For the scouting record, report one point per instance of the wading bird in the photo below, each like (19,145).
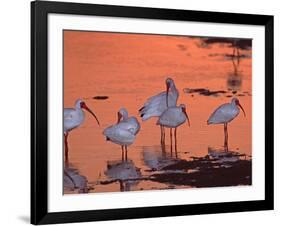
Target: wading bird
(225,114)
(156,105)
(124,132)
(127,122)
(173,117)
(73,118)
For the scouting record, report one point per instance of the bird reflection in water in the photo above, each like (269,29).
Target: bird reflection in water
(124,172)
(72,180)
(155,158)
(169,147)
(234,79)
(220,156)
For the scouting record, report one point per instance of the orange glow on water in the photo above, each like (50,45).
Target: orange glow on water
(129,68)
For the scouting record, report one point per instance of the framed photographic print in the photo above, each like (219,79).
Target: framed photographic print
(144,112)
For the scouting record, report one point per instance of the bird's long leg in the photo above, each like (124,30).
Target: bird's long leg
(163,135)
(176,148)
(121,185)
(66,147)
(226,136)
(171,139)
(122,152)
(163,146)
(161,128)
(126,153)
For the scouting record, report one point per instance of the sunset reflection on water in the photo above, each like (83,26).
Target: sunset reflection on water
(129,68)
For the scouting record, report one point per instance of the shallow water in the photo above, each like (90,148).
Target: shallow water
(130,68)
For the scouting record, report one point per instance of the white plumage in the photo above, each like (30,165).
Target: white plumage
(225,113)
(156,105)
(73,118)
(173,117)
(128,123)
(119,136)
(124,132)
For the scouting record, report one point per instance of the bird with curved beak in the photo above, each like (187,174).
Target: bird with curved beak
(156,105)
(173,117)
(167,93)
(73,118)
(225,114)
(84,106)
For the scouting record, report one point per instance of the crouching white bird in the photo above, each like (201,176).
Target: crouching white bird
(173,117)
(225,114)
(127,122)
(124,132)
(73,118)
(156,105)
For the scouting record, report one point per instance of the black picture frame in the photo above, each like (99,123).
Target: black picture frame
(39,112)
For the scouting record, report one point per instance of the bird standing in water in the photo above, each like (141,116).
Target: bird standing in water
(124,132)
(225,114)
(73,118)
(156,105)
(173,117)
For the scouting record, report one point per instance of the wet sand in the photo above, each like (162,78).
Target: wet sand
(110,71)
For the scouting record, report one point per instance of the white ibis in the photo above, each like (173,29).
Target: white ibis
(173,117)
(225,114)
(127,122)
(73,118)
(124,132)
(156,105)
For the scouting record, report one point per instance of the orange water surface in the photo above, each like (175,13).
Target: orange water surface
(129,68)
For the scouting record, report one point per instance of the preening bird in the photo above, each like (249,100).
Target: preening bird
(124,132)
(126,122)
(225,114)
(73,118)
(156,105)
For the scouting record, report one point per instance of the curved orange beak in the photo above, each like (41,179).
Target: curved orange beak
(184,111)
(167,93)
(241,108)
(83,105)
(119,116)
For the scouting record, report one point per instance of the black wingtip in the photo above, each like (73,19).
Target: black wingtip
(141,109)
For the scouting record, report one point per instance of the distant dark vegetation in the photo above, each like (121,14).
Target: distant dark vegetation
(244,44)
